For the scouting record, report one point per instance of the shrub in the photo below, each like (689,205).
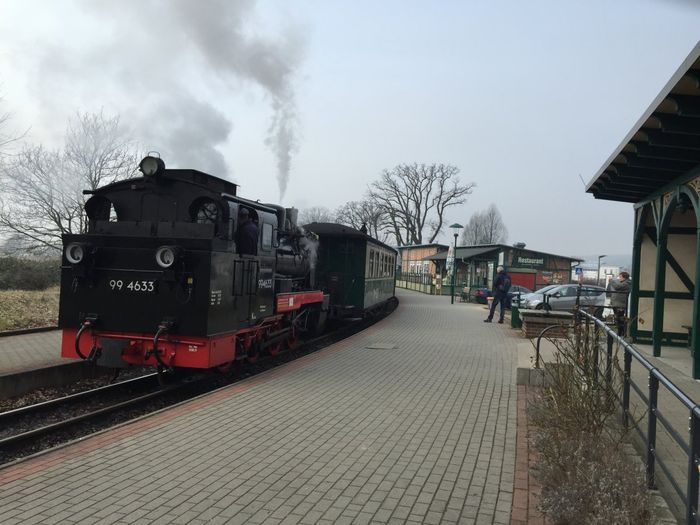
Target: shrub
(586,476)
(29,274)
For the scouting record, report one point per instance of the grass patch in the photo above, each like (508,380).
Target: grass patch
(21,309)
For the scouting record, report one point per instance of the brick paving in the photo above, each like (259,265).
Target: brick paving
(20,353)
(527,490)
(413,420)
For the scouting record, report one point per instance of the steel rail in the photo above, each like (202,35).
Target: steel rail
(25,331)
(52,403)
(47,429)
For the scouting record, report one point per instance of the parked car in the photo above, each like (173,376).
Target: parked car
(523,299)
(563,297)
(515,295)
(481,295)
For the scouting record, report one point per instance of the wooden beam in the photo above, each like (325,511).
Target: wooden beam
(688,105)
(659,138)
(644,150)
(680,125)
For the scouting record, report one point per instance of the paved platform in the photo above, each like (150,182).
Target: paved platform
(413,420)
(22,353)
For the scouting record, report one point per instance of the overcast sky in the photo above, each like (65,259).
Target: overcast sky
(526,98)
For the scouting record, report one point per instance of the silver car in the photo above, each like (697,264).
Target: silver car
(563,297)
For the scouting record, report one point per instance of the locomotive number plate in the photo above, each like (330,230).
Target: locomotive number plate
(124,285)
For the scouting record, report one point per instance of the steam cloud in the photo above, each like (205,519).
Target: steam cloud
(167,56)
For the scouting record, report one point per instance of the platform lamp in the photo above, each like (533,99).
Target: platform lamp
(455,230)
(597,277)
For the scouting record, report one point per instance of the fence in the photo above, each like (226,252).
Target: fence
(421,282)
(670,459)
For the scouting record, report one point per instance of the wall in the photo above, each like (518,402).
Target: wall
(414,254)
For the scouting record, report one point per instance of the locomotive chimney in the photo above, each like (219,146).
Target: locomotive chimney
(292,214)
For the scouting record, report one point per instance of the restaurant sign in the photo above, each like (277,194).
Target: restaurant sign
(530,262)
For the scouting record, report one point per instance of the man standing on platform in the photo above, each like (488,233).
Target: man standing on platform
(500,294)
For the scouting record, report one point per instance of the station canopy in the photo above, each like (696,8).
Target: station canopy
(662,146)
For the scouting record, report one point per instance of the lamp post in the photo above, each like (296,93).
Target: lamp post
(597,277)
(455,229)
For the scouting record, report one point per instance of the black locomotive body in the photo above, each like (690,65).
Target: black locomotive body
(157,279)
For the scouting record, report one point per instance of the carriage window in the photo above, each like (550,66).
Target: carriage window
(267,236)
(370,273)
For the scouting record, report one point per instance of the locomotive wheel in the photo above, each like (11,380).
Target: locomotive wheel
(225,368)
(293,341)
(275,349)
(253,353)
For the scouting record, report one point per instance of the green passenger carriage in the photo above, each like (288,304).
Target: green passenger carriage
(357,270)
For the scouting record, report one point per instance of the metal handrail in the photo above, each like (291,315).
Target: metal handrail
(656,379)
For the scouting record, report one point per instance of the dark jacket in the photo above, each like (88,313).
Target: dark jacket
(247,238)
(501,285)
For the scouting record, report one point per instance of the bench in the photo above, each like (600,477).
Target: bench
(690,333)
(534,321)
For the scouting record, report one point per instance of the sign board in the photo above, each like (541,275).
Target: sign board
(578,270)
(450,259)
(530,262)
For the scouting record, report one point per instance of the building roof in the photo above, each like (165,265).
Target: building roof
(467,252)
(662,146)
(407,246)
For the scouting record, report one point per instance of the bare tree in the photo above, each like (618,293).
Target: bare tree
(413,197)
(364,213)
(41,191)
(315,214)
(7,137)
(485,227)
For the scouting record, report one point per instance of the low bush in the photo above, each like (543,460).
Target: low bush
(586,476)
(29,274)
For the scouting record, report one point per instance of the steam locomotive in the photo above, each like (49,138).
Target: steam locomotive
(158,278)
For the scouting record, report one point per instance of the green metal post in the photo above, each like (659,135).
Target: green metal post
(454,272)
(634,299)
(659,293)
(695,341)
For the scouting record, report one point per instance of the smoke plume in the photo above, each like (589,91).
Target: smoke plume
(171,60)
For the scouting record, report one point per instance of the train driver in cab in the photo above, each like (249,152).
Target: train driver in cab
(246,234)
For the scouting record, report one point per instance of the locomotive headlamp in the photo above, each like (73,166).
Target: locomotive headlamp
(75,253)
(166,256)
(152,166)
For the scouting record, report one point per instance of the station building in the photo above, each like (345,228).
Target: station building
(476,266)
(428,267)
(656,167)
(413,258)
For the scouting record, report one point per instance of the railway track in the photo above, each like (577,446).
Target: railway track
(33,428)
(23,331)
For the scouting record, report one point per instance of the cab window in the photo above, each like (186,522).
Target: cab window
(267,236)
